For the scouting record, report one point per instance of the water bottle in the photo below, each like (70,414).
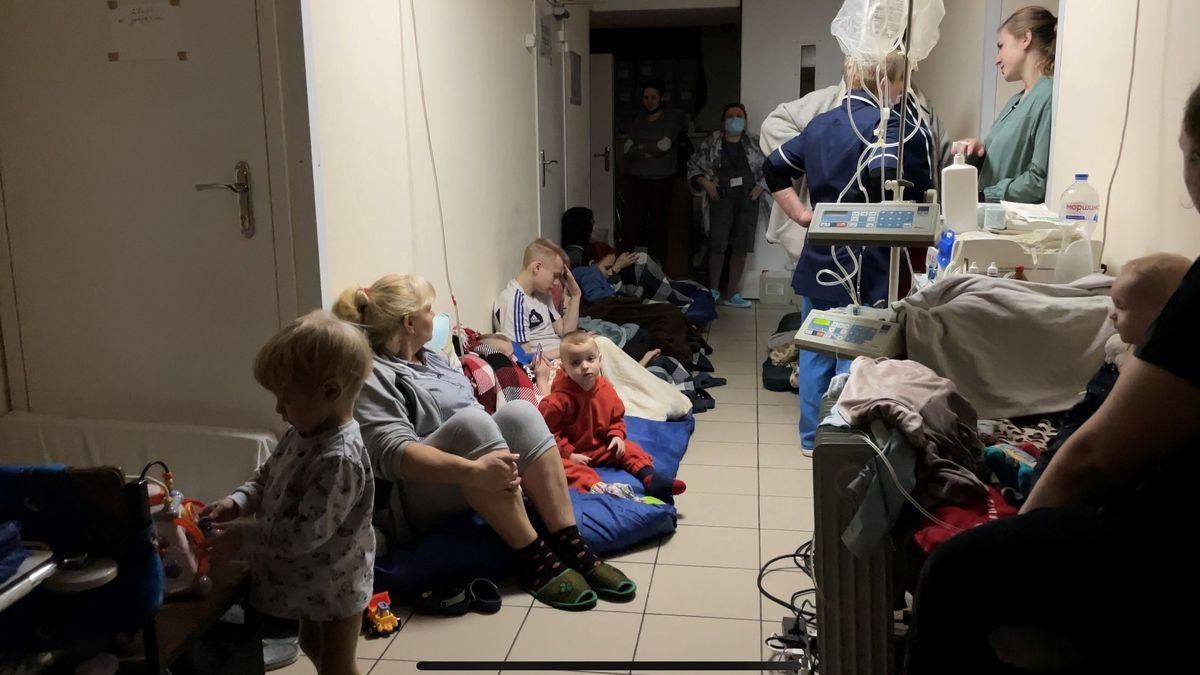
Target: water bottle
(993,271)
(960,194)
(1080,206)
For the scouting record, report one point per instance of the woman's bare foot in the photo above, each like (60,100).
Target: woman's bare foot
(649,357)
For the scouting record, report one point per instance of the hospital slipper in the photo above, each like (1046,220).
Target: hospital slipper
(448,602)
(485,596)
(569,591)
(611,583)
(736,300)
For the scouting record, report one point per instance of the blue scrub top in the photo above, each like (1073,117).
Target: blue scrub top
(828,153)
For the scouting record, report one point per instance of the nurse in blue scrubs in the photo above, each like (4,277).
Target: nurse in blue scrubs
(833,157)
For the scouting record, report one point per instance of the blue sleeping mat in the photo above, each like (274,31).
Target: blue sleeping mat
(468,548)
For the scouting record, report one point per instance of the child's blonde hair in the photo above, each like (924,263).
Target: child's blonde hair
(381,308)
(542,250)
(315,349)
(577,338)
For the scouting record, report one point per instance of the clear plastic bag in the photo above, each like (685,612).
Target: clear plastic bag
(868,30)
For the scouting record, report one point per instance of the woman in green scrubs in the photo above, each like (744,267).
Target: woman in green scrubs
(1014,156)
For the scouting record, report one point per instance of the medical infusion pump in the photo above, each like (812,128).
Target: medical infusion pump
(881,224)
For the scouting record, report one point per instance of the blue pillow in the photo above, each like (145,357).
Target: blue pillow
(466,547)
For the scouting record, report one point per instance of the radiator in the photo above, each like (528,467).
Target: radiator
(855,595)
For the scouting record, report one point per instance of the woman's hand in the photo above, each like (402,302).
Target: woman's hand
(710,187)
(624,260)
(495,472)
(969,146)
(577,458)
(756,193)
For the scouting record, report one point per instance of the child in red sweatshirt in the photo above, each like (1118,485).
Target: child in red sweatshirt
(588,421)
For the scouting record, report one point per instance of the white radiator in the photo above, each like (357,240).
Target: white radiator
(207,462)
(854,601)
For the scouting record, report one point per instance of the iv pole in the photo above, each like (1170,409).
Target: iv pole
(898,184)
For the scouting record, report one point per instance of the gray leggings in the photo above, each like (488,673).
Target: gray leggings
(417,508)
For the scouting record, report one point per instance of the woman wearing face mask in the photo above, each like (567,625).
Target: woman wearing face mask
(1016,153)
(727,171)
(655,207)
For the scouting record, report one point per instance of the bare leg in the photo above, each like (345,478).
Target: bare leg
(649,356)
(546,485)
(505,512)
(310,641)
(716,261)
(339,641)
(737,267)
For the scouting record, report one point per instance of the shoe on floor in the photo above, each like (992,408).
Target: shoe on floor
(736,300)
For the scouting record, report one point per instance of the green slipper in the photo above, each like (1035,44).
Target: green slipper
(569,590)
(611,582)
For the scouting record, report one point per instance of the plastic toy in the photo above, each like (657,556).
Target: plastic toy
(378,620)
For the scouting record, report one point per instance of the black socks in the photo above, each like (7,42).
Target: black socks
(659,486)
(538,564)
(569,546)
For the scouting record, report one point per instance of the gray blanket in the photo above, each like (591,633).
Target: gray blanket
(1012,348)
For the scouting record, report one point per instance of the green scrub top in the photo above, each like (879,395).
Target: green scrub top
(1018,148)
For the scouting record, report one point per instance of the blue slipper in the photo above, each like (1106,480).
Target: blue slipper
(737,301)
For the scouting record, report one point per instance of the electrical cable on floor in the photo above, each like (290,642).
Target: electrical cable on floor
(799,647)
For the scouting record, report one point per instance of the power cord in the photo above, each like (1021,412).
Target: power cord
(799,642)
(437,185)
(1137,16)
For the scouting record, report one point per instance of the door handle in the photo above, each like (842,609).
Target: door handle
(241,187)
(607,155)
(546,163)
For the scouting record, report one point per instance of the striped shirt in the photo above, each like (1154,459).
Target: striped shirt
(525,318)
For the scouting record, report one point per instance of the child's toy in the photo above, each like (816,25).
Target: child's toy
(378,620)
(181,541)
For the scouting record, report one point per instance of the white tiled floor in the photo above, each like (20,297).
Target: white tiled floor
(749,499)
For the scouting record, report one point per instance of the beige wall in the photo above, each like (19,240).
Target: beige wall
(376,195)
(772,34)
(1149,210)
(950,75)
(578,132)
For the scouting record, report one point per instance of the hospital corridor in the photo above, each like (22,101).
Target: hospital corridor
(376,337)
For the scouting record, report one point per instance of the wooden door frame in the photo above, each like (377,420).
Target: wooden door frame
(289,180)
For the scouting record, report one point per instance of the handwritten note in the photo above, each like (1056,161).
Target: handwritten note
(146,31)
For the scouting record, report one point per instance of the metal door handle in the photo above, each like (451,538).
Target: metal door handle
(240,187)
(607,155)
(546,163)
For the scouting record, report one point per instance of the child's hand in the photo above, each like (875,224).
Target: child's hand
(224,539)
(543,368)
(580,459)
(571,286)
(617,445)
(221,511)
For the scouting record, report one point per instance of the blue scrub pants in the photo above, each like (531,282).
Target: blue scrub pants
(815,371)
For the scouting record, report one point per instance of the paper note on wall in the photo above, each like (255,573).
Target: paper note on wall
(146,31)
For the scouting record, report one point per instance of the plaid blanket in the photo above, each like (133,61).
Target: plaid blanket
(671,370)
(645,280)
(512,380)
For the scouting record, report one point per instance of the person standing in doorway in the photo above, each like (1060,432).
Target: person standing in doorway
(655,203)
(727,171)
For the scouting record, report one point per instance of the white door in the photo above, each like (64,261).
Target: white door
(551,185)
(603,161)
(137,297)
